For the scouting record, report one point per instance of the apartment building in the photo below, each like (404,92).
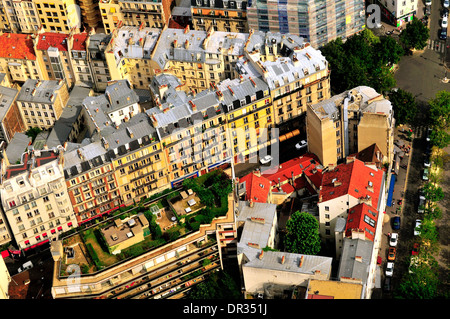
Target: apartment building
(318,22)
(193,135)
(348,123)
(52,54)
(398,12)
(91,182)
(35,199)
(347,188)
(90,12)
(295,72)
(4,22)
(62,16)
(247,105)
(5,279)
(223,15)
(10,117)
(96,46)
(198,58)
(22,15)
(41,103)
(131,141)
(18,57)
(167,271)
(128,55)
(118,104)
(79,59)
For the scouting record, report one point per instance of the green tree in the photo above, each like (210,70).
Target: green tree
(439,110)
(388,51)
(302,234)
(421,284)
(432,192)
(33,132)
(415,35)
(218,285)
(428,232)
(381,79)
(440,138)
(404,105)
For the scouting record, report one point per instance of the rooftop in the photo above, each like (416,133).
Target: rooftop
(355,259)
(257,187)
(7,97)
(327,289)
(36,91)
(362,218)
(79,41)
(52,39)
(134,43)
(355,179)
(17,46)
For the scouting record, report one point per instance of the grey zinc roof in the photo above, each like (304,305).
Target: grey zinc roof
(127,42)
(17,147)
(348,265)
(232,43)
(63,126)
(94,154)
(120,95)
(241,90)
(311,264)
(7,96)
(43,92)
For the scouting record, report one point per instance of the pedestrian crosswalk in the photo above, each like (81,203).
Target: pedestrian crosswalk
(436,45)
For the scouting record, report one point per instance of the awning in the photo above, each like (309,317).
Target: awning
(5,253)
(391,190)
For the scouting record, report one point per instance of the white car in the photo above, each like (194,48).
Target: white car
(266,159)
(417,227)
(426,162)
(393,240)
(301,144)
(446,3)
(389,269)
(444,23)
(25,266)
(428,2)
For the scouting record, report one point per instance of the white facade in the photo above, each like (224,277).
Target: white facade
(5,279)
(36,203)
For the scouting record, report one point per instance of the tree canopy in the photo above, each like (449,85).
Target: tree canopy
(415,35)
(439,113)
(404,105)
(364,59)
(302,234)
(218,285)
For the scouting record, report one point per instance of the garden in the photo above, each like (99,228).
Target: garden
(165,224)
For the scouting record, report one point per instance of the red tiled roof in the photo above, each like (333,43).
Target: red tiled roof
(257,187)
(79,41)
(353,179)
(296,166)
(356,220)
(17,46)
(50,39)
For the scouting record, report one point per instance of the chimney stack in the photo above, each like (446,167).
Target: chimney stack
(283,259)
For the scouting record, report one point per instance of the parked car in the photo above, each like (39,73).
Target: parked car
(396,223)
(444,23)
(426,162)
(389,269)
(427,10)
(266,159)
(415,250)
(25,266)
(391,253)
(393,240)
(425,174)
(301,144)
(446,3)
(428,2)
(387,284)
(443,34)
(422,202)
(417,227)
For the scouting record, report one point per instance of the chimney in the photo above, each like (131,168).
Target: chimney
(300,264)
(337,183)
(261,255)
(105,143)
(186,44)
(358,258)
(154,120)
(283,259)
(80,155)
(193,106)
(250,203)
(130,132)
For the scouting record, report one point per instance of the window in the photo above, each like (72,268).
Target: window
(327,209)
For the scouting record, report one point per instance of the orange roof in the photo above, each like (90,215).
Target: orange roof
(79,41)
(257,187)
(17,46)
(51,39)
(362,218)
(353,179)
